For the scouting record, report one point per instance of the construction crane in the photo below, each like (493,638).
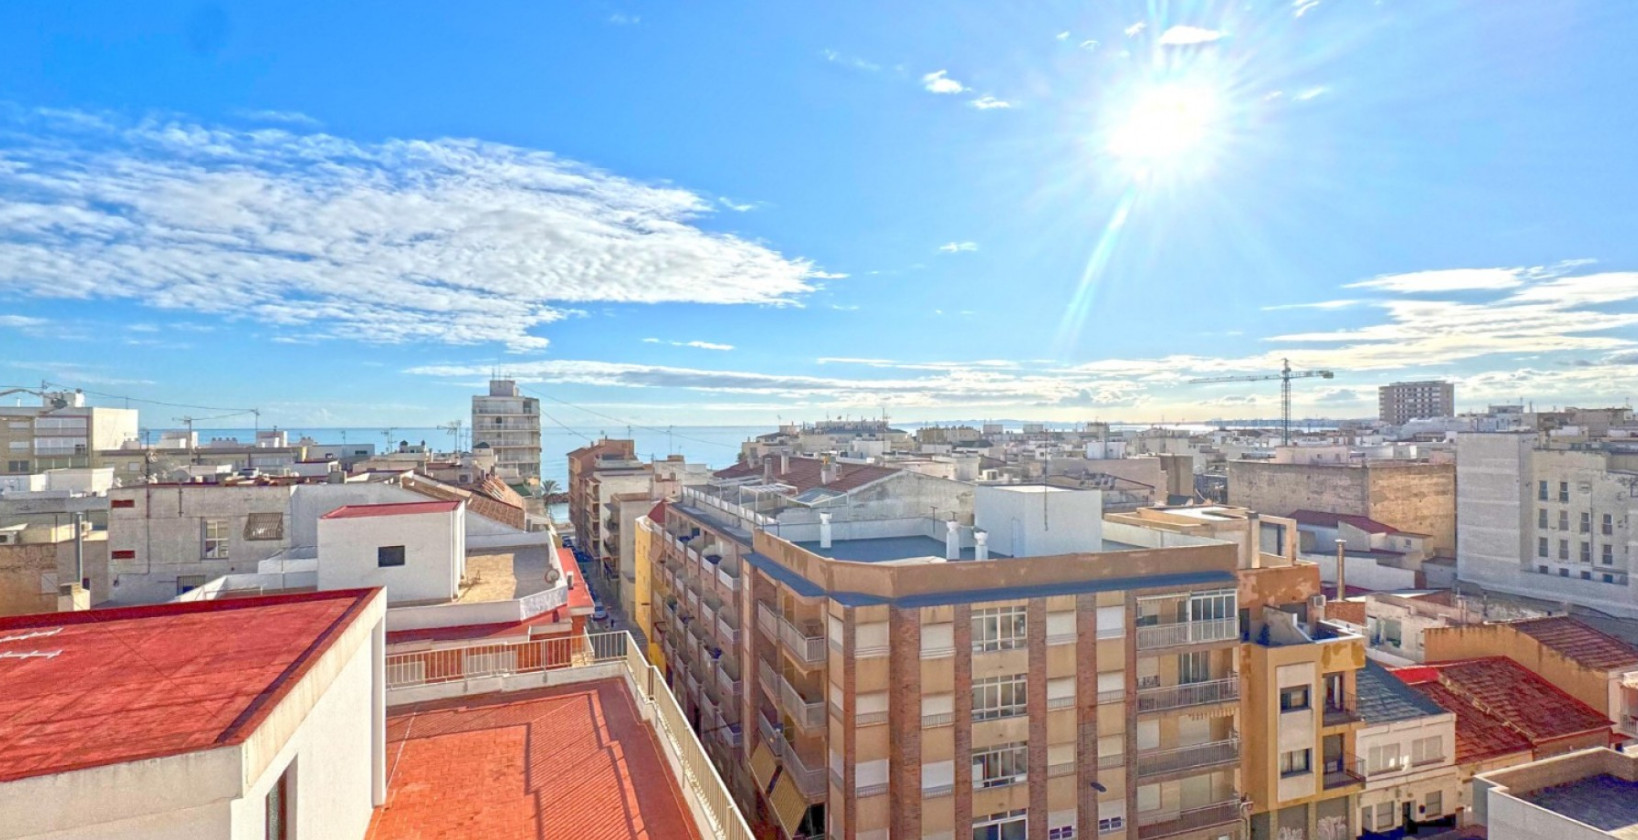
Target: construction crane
(1285,376)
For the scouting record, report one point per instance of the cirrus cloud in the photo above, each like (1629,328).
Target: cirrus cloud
(444,241)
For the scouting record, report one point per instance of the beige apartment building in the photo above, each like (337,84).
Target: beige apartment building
(507,423)
(1402,402)
(62,432)
(1007,670)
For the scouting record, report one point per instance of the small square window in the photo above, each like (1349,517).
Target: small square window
(1586,575)
(389,555)
(1295,762)
(1563,572)
(1294,699)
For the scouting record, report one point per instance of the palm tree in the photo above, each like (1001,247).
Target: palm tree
(548,487)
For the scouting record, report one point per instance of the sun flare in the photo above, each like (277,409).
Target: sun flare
(1167,124)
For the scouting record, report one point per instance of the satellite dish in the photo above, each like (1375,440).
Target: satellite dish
(552,576)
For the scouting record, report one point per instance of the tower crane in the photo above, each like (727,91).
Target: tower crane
(1285,376)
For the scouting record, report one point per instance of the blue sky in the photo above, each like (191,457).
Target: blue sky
(727,212)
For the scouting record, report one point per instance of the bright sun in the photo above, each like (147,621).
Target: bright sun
(1167,125)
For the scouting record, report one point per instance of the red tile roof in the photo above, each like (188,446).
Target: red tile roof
(579,595)
(146,682)
(394,509)
(1504,690)
(1580,643)
(1320,519)
(656,514)
(1479,736)
(571,761)
(805,473)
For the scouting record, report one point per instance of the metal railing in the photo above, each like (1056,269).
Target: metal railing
(711,799)
(768,678)
(934,721)
(1156,824)
(809,780)
(805,646)
(1193,756)
(1342,771)
(1339,710)
(1188,633)
(1189,694)
(1065,768)
(1061,702)
(810,715)
(767,622)
(1113,695)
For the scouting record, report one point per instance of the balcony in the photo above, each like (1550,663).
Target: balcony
(769,680)
(728,579)
(810,715)
(767,622)
(1180,633)
(1156,824)
(1342,771)
(729,682)
(726,631)
(1223,690)
(809,780)
(806,644)
(1340,710)
(1163,762)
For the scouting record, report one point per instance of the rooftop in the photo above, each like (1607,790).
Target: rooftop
(1383,698)
(102,687)
(1500,705)
(915,547)
(570,761)
(805,474)
(1479,735)
(394,509)
(1580,643)
(1320,519)
(1602,801)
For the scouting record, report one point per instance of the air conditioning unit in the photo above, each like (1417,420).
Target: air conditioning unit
(10,538)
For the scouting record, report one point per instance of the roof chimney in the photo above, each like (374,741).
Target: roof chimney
(981,545)
(784,463)
(1342,572)
(824,530)
(952,540)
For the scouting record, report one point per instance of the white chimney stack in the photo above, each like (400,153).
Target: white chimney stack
(952,540)
(981,545)
(824,530)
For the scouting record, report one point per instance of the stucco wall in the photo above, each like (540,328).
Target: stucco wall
(22,568)
(164,527)
(434,551)
(1474,640)
(1415,497)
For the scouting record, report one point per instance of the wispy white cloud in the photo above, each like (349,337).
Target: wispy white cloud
(623,19)
(290,118)
(445,241)
(1311,93)
(1089,45)
(1324,304)
(1178,36)
(939,81)
(986,103)
(826,275)
(1303,7)
(853,61)
(19,321)
(1447,280)
(1063,36)
(1135,29)
(697,345)
(958,247)
(738,206)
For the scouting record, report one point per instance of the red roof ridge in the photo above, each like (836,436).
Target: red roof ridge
(390,509)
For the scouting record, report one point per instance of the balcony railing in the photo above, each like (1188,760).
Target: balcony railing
(1163,761)
(1113,695)
(805,645)
(1340,710)
(809,780)
(767,622)
(412,677)
(1156,824)
(728,633)
(1188,633)
(1189,694)
(730,685)
(1342,771)
(810,715)
(729,581)
(768,678)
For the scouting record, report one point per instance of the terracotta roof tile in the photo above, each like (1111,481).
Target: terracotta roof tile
(1478,735)
(1580,643)
(805,473)
(1512,694)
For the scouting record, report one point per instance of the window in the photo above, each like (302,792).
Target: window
(1212,606)
(1426,750)
(188,583)
(1012,825)
(1585,575)
(1541,519)
(1384,816)
(1563,549)
(1294,698)
(1609,578)
(1391,632)
(122,503)
(1007,764)
(1384,758)
(1586,522)
(277,809)
(1295,762)
(1542,569)
(1564,520)
(1194,667)
(1586,552)
(1433,805)
(1563,572)
(214,539)
(1564,491)
(1000,697)
(389,555)
(999,628)
(1111,816)
(264,526)
(1062,832)
(1608,526)
(1541,546)
(1541,490)
(1608,555)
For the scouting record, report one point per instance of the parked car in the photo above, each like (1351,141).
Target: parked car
(600,613)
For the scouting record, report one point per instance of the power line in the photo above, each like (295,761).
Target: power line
(235,411)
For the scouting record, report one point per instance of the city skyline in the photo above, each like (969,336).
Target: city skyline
(731,215)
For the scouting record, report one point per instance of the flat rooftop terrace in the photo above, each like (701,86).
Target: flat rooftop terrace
(1602,801)
(570,761)
(890,549)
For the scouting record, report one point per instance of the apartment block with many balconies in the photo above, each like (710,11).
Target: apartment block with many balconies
(1001,671)
(507,423)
